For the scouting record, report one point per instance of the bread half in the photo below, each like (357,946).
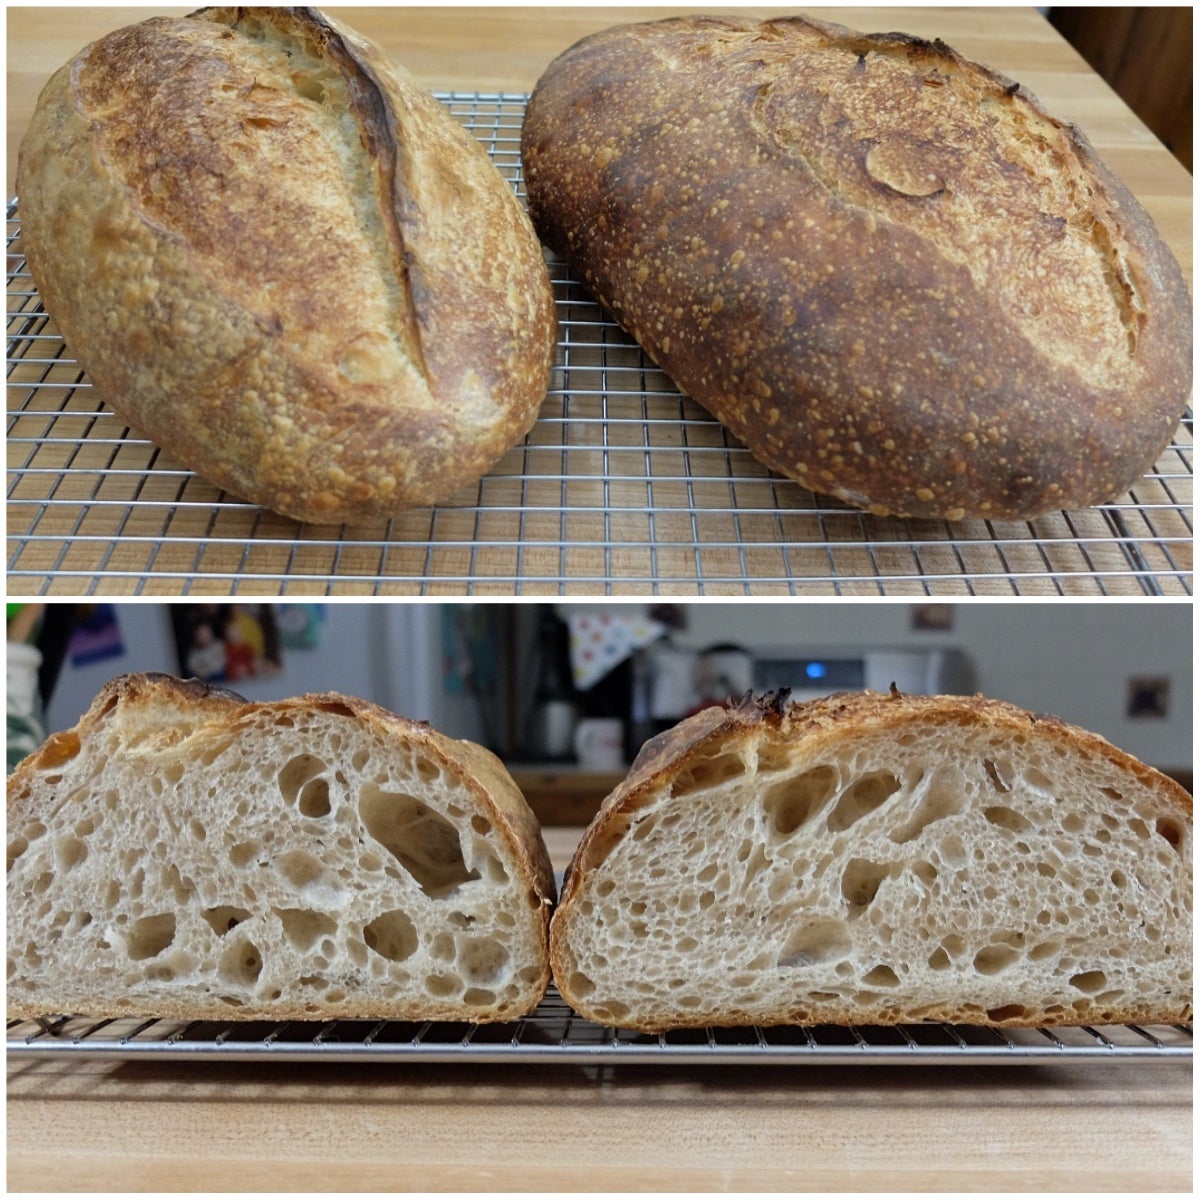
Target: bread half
(183,853)
(880,859)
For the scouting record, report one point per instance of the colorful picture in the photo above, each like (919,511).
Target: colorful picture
(96,636)
(223,643)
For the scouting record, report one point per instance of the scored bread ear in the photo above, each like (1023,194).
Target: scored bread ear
(184,853)
(880,859)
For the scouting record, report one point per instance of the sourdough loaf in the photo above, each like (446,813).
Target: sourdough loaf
(284,262)
(880,859)
(183,853)
(887,269)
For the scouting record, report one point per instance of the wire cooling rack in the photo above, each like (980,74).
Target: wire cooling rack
(623,486)
(553,1033)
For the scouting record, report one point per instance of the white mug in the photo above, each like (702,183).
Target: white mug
(599,743)
(26,723)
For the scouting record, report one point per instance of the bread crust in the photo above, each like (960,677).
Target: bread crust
(887,269)
(820,725)
(284,262)
(168,711)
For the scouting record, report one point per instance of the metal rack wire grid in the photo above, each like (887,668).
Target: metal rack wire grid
(553,1033)
(623,486)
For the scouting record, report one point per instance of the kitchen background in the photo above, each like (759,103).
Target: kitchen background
(566,693)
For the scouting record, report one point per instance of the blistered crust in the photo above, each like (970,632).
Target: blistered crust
(285,263)
(885,268)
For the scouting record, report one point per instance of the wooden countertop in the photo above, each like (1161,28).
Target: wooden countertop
(564,795)
(292,1127)
(503,49)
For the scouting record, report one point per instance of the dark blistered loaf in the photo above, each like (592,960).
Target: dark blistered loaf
(887,269)
(284,262)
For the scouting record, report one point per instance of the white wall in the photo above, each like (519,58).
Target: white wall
(390,654)
(1070,658)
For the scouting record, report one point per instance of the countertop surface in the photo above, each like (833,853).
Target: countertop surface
(293,1127)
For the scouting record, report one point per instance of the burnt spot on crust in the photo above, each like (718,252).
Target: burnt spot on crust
(193,689)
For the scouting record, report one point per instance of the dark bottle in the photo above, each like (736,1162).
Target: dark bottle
(555,709)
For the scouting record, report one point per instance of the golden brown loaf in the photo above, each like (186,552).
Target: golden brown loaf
(880,859)
(184,853)
(284,262)
(888,270)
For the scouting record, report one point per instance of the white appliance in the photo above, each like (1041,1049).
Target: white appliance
(817,673)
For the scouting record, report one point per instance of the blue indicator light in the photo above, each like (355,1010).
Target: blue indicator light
(814,670)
